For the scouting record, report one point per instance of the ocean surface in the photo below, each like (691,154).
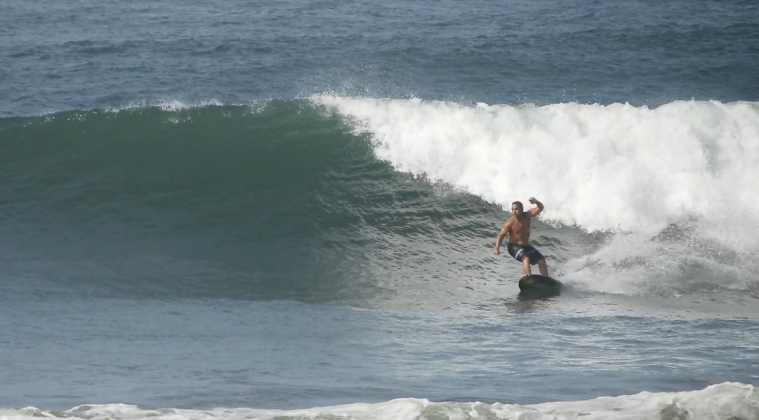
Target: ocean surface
(229,210)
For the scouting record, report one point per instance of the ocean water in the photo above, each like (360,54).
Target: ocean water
(286,210)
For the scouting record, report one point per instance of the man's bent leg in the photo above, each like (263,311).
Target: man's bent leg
(543,267)
(526,266)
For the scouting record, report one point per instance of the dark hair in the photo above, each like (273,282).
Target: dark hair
(518,203)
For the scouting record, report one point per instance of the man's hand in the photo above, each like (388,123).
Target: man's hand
(535,211)
(496,252)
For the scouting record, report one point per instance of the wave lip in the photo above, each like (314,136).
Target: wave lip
(729,400)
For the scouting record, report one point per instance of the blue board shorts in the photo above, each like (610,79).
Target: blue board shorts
(521,251)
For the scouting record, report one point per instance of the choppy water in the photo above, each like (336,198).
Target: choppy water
(286,210)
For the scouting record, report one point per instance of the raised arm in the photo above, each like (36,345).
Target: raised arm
(502,234)
(535,211)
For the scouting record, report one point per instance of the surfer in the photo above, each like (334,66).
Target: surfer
(517,228)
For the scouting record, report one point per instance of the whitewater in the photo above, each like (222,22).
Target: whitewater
(727,400)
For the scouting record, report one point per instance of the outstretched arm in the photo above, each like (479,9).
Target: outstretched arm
(535,211)
(502,234)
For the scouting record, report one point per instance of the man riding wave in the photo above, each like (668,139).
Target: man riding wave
(517,228)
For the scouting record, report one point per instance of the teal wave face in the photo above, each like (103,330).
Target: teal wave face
(277,201)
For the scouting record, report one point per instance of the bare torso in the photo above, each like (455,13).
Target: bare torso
(519,229)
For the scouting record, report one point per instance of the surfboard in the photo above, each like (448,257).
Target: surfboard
(538,282)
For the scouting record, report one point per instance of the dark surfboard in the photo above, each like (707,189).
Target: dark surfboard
(537,282)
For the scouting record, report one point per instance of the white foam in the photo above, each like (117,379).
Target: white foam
(722,401)
(603,168)
(599,167)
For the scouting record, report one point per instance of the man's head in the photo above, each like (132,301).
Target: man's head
(517,208)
